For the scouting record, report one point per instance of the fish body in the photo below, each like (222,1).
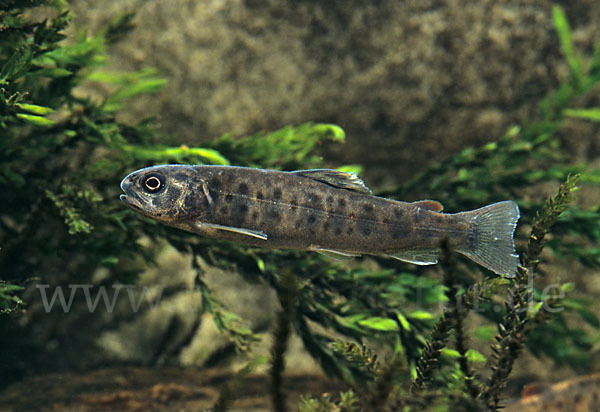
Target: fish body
(319,210)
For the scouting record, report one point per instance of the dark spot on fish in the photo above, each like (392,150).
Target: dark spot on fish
(214,183)
(365,221)
(214,189)
(398,213)
(437,218)
(274,215)
(297,224)
(294,202)
(229,198)
(260,195)
(255,216)
(385,221)
(350,230)
(277,193)
(399,231)
(240,211)
(224,211)
(311,231)
(195,204)
(365,227)
(311,219)
(243,188)
(335,223)
(559,406)
(326,226)
(577,398)
(330,200)
(595,396)
(342,203)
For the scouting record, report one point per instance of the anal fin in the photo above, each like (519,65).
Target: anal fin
(417,256)
(248,232)
(335,254)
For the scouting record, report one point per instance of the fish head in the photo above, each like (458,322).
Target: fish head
(172,194)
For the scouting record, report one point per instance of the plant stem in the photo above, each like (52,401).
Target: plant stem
(287,298)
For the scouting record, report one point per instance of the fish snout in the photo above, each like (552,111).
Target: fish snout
(130,197)
(126,182)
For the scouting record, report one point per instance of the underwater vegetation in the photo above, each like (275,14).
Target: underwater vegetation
(63,152)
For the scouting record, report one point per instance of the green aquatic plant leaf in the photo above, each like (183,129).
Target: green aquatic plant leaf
(290,148)
(566,41)
(35,109)
(181,154)
(380,324)
(588,114)
(35,120)
(129,84)
(17,65)
(8,300)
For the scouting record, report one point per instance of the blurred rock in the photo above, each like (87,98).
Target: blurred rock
(128,389)
(412,80)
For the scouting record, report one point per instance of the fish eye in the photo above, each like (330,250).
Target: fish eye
(153,183)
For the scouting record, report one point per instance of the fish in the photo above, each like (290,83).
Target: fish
(320,210)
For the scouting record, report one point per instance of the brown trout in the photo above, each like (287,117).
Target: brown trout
(321,210)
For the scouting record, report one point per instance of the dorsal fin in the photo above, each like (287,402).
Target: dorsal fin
(342,180)
(430,205)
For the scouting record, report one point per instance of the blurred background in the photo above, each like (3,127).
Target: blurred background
(409,81)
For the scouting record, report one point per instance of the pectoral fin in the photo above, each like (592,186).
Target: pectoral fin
(335,178)
(248,232)
(335,254)
(417,256)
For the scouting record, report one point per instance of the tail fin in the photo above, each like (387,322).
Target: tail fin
(491,243)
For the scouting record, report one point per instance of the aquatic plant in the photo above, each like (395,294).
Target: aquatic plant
(62,154)
(493,172)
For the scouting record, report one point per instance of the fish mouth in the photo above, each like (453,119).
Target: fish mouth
(130,198)
(131,203)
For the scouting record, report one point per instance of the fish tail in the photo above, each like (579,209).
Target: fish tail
(491,243)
